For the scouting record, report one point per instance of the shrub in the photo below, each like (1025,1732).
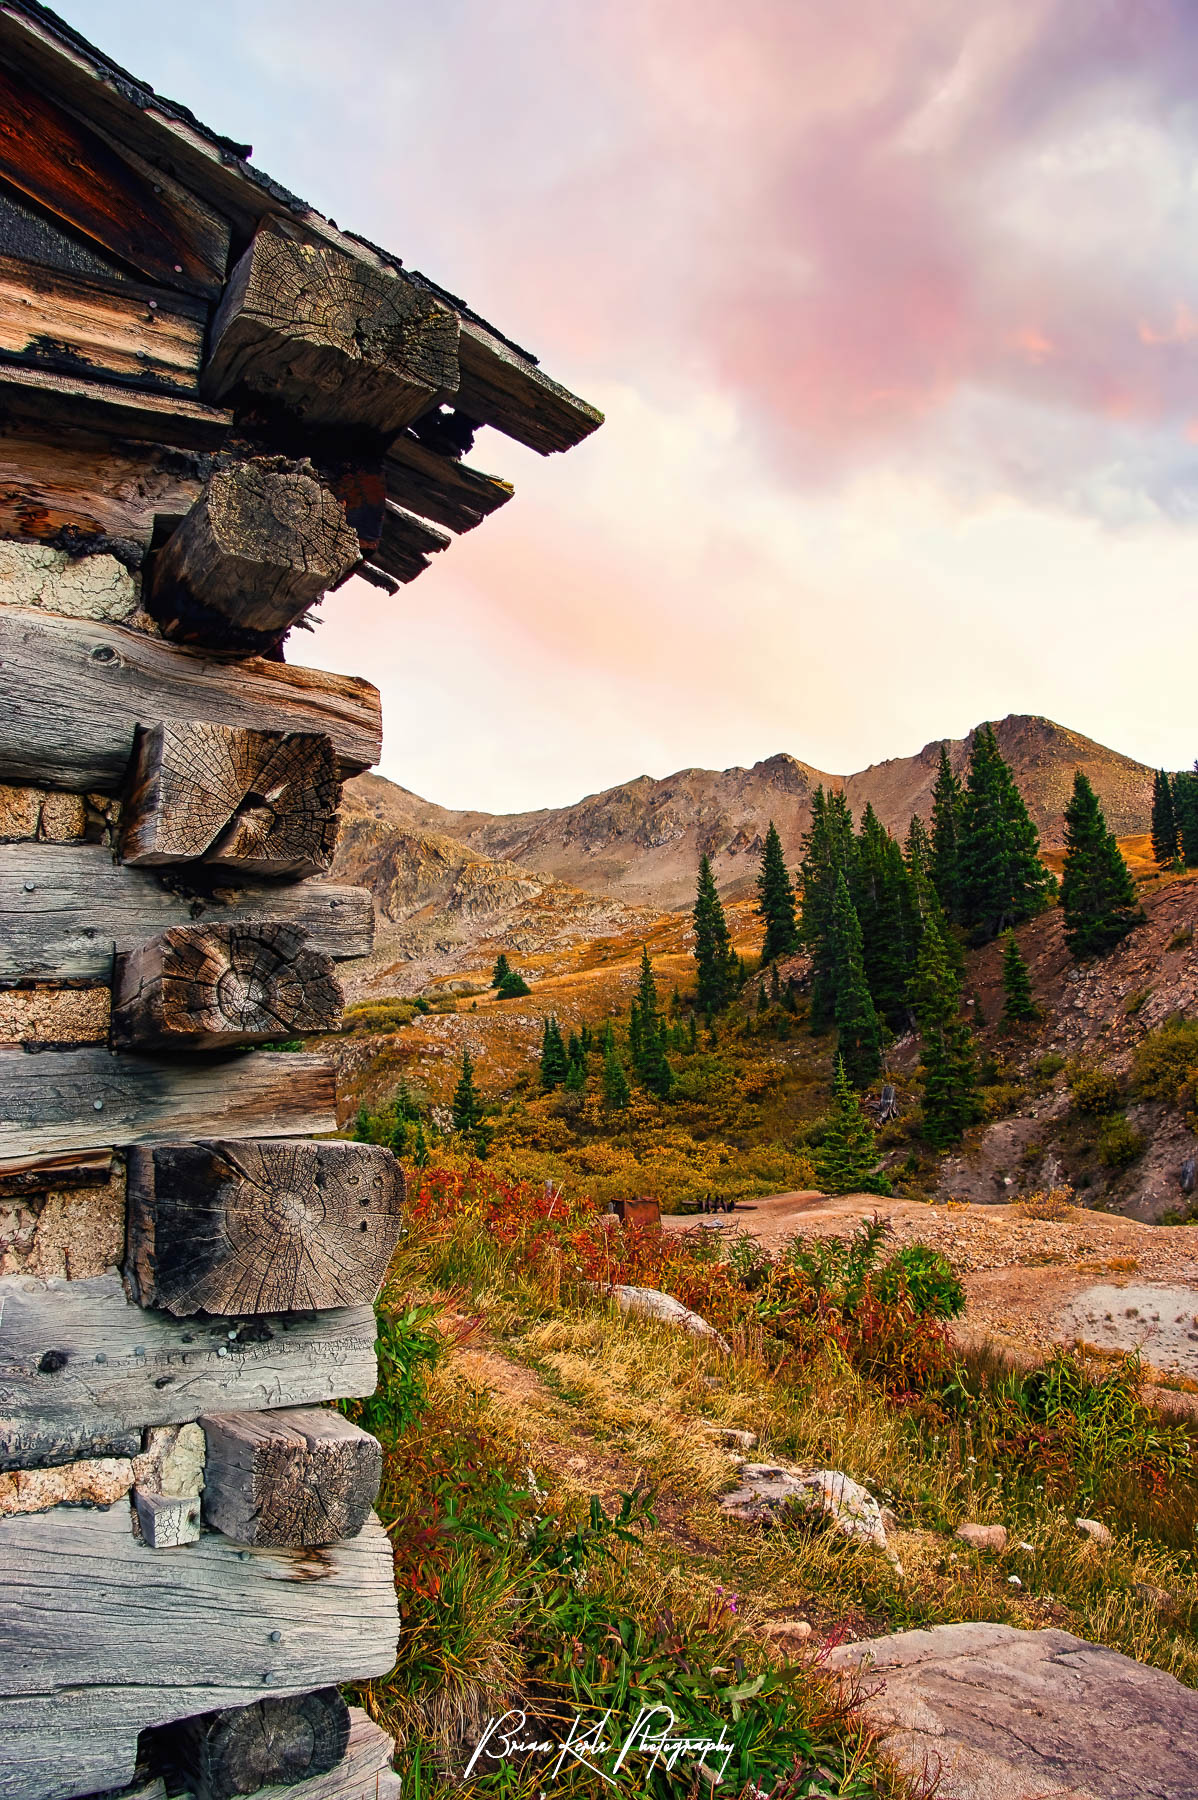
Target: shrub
(1165,1066)
(1047,1066)
(1181,938)
(1119,1143)
(929,1279)
(1135,1001)
(1000,1099)
(1093,1090)
(379,1015)
(1047,1203)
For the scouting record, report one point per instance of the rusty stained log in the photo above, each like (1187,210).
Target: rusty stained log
(139,214)
(110,330)
(440,487)
(239,1226)
(260,546)
(271,1744)
(328,337)
(257,803)
(406,544)
(75,691)
(295,1478)
(79,491)
(210,987)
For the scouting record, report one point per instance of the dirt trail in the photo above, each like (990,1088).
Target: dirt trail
(1108,1281)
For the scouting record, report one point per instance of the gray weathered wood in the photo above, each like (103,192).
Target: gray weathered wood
(282,1742)
(278,1225)
(206,987)
(65,907)
(253,802)
(76,691)
(127,1368)
(101,1637)
(441,488)
(365,1773)
(167,1521)
(50,1099)
(334,340)
(260,546)
(53,320)
(292,1477)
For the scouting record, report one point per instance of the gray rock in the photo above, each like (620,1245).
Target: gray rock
(731,1437)
(1002,1714)
(1095,1530)
(649,1304)
(983,1537)
(823,1495)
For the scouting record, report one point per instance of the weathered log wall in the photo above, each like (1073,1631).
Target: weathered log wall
(214,408)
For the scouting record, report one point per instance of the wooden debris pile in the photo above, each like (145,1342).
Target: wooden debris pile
(214,408)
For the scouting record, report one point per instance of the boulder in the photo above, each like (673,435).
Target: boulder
(822,1496)
(1000,1714)
(650,1304)
(1095,1530)
(983,1537)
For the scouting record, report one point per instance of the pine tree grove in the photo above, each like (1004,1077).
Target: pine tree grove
(858,1037)
(950,1076)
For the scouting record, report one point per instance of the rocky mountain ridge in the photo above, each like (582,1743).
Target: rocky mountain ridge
(640,842)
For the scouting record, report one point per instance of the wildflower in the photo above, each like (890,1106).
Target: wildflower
(1014,1581)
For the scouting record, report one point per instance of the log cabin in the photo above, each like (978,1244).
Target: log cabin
(215,407)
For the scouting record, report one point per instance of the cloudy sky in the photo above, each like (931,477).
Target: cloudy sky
(893,311)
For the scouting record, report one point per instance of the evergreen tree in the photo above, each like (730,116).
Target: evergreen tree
(762,1002)
(513,986)
(945,865)
(467,1108)
(1003,881)
(1185,806)
(1165,841)
(1018,1004)
(885,908)
(420,1147)
(650,1061)
(501,970)
(553,1055)
(776,900)
(634,1034)
(693,1043)
(576,1077)
(950,1076)
(926,909)
(362,1131)
(775,983)
(608,1040)
(846,1162)
(616,1092)
(858,1039)
(713,951)
(1098,895)
(828,853)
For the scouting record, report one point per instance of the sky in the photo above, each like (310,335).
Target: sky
(893,312)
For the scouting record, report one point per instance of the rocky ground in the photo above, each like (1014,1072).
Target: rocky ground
(1113,1283)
